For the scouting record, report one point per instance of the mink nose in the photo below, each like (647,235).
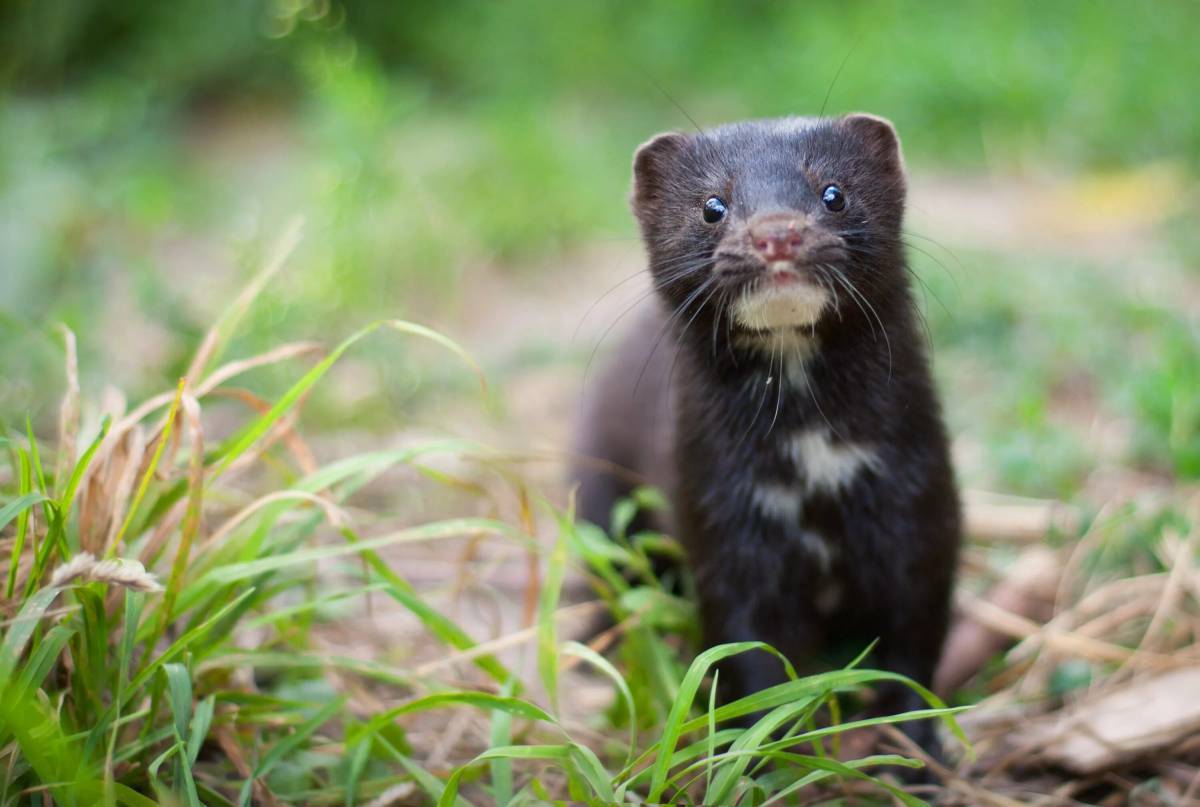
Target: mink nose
(777,240)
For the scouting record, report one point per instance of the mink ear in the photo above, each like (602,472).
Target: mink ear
(652,164)
(879,138)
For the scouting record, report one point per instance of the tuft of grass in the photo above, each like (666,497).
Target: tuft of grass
(164,591)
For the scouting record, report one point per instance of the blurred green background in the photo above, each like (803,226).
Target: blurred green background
(150,153)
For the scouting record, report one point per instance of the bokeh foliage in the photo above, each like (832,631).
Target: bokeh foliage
(148,151)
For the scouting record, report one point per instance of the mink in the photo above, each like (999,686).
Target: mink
(780,395)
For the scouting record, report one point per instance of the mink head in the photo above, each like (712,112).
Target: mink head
(775,226)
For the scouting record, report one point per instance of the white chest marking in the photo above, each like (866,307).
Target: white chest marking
(782,502)
(819,548)
(829,466)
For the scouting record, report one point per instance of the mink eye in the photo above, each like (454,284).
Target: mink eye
(714,209)
(833,198)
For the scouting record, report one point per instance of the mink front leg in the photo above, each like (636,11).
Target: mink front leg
(744,673)
(911,644)
(731,615)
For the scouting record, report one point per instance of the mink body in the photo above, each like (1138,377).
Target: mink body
(788,412)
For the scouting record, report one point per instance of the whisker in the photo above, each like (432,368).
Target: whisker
(812,395)
(962,267)
(840,278)
(662,331)
(675,359)
(673,278)
(887,341)
(778,391)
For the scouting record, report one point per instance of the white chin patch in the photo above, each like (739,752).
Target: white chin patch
(794,305)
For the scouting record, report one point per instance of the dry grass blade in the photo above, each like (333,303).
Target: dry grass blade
(151,466)
(959,787)
(280,429)
(106,496)
(191,519)
(284,429)
(214,339)
(162,532)
(128,421)
(397,794)
(1066,642)
(565,614)
(336,516)
(534,584)
(1015,518)
(68,418)
(1178,555)
(236,368)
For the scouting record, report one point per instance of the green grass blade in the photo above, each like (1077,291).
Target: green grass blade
(451,528)
(373,670)
(501,735)
(814,686)
(44,655)
(169,654)
(480,700)
(730,774)
(22,627)
(683,703)
(174,750)
(144,485)
(547,634)
(590,768)
(130,797)
(561,753)
(359,753)
(68,497)
(53,757)
(254,431)
(606,667)
(19,507)
(435,788)
(187,530)
(277,615)
(850,725)
(35,457)
(289,745)
(437,623)
(179,690)
(214,342)
(202,719)
(712,731)
(134,602)
(55,539)
(824,773)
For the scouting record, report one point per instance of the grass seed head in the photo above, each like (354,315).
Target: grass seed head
(124,572)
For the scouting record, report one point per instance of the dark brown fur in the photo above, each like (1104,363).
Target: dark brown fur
(721,417)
